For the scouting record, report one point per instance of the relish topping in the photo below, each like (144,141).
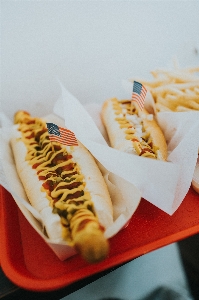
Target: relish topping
(132,125)
(60,175)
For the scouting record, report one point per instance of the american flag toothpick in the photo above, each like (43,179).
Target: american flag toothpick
(139,94)
(61,135)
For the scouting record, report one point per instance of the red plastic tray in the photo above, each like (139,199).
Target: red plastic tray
(30,263)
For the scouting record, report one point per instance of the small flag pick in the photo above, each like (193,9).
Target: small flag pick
(61,135)
(139,94)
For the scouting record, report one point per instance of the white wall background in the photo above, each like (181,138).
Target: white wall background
(90,45)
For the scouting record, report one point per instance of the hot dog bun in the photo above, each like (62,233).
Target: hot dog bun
(74,202)
(132,130)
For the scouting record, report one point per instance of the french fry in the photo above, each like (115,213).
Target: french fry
(192,70)
(183,109)
(189,92)
(161,107)
(194,105)
(169,104)
(196,90)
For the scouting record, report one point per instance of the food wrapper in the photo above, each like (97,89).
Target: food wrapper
(181,130)
(124,195)
(164,184)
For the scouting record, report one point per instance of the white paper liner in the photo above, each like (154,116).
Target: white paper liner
(125,197)
(165,184)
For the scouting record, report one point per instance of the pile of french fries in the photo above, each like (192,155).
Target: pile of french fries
(176,90)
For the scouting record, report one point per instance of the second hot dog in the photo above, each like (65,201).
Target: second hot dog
(132,130)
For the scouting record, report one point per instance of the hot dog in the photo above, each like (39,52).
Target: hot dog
(133,130)
(65,185)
